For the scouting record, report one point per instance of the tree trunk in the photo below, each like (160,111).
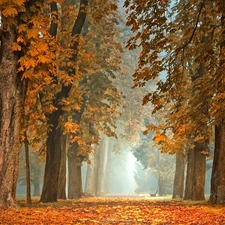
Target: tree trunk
(53,160)
(54,151)
(217,195)
(178,185)
(12,90)
(36,189)
(196,168)
(189,175)
(160,185)
(26,144)
(74,173)
(62,172)
(200,170)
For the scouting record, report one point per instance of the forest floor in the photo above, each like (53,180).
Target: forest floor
(151,211)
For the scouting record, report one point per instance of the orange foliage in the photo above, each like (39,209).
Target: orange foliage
(115,211)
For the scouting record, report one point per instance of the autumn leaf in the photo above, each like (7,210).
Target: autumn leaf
(16,47)
(124,210)
(9,11)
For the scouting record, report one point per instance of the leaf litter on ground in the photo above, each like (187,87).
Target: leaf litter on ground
(114,211)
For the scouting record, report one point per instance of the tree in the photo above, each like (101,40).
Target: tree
(143,180)
(217,181)
(156,163)
(36,164)
(55,136)
(11,104)
(96,179)
(182,49)
(81,66)
(100,98)
(20,35)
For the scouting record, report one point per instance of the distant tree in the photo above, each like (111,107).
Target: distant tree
(142,179)
(158,164)
(97,172)
(36,171)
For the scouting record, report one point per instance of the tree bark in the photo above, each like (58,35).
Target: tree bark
(62,172)
(217,195)
(196,168)
(189,175)
(200,170)
(53,160)
(178,185)
(74,176)
(12,91)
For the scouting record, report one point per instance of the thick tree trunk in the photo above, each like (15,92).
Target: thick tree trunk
(74,173)
(200,170)
(217,195)
(53,160)
(196,168)
(178,185)
(189,175)
(11,109)
(62,172)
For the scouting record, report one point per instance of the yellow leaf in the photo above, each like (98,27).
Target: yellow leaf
(20,39)
(18,2)
(9,12)
(32,33)
(16,47)
(52,108)
(43,59)
(22,27)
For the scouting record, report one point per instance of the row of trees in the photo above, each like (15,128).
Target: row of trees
(127,125)
(182,46)
(58,60)
(59,92)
